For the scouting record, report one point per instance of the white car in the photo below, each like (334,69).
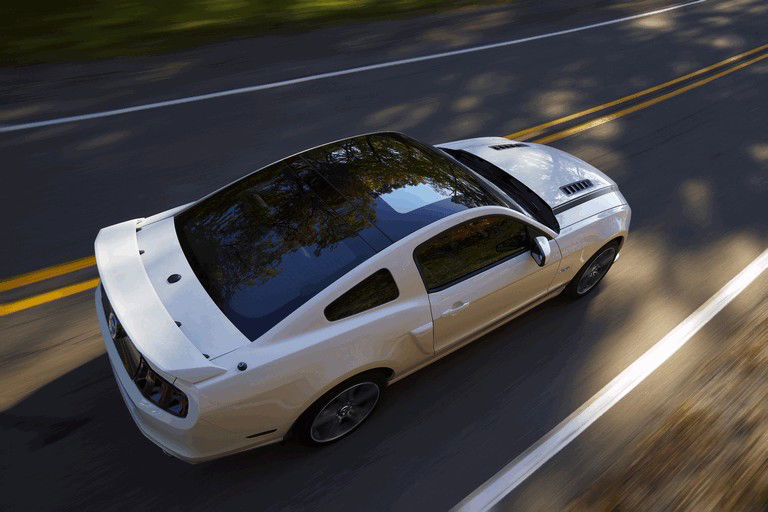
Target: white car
(285,302)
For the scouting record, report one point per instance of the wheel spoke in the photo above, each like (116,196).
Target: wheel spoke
(364,394)
(325,417)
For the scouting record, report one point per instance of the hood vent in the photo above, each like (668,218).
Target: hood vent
(576,186)
(501,147)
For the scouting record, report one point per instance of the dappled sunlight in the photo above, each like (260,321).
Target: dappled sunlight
(606,131)
(401,117)
(653,287)
(467,123)
(725,42)
(759,152)
(662,23)
(39,352)
(685,67)
(761,68)
(696,201)
(703,267)
(467,34)
(693,167)
(465,103)
(641,263)
(758,9)
(557,102)
(717,21)
(101,141)
(11,114)
(491,83)
(738,6)
(697,441)
(166,71)
(602,157)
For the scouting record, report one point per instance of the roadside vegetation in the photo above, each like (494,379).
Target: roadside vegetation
(35,31)
(711,452)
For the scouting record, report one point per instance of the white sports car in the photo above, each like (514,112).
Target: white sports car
(285,302)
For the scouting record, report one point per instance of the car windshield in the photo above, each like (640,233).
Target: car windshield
(520,194)
(269,242)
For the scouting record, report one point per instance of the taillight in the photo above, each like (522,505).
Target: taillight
(159,391)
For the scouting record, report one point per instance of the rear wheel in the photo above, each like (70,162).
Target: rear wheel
(340,411)
(593,271)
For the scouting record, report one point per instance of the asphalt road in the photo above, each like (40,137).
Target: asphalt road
(694,168)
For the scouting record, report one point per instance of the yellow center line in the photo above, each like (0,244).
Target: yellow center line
(645,104)
(519,135)
(46,273)
(60,293)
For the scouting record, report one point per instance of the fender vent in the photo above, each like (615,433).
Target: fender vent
(576,186)
(501,147)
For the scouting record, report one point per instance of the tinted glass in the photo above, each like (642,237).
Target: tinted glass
(264,248)
(269,242)
(373,291)
(517,191)
(468,248)
(396,183)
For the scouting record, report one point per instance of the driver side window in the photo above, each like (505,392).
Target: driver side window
(469,248)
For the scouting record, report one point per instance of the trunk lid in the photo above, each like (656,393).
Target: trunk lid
(148,306)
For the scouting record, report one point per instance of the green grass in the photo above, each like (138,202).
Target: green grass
(35,31)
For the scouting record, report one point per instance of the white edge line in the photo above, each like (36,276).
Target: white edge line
(331,74)
(523,466)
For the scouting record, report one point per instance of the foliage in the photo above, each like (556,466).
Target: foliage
(36,31)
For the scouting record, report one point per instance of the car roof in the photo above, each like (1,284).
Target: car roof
(397,184)
(294,227)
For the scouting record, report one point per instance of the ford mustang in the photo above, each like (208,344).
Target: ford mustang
(285,302)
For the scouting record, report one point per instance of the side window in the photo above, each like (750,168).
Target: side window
(375,290)
(468,248)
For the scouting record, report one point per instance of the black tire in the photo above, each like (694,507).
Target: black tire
(605,255)
(349,414)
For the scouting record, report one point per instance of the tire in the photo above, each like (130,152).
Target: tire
(340,411)
(593,271)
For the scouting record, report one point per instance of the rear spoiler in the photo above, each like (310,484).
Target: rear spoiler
(141,312)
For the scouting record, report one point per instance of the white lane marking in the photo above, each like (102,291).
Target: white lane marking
(523,466)
(331,74)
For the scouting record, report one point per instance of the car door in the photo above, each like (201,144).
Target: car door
(479,271)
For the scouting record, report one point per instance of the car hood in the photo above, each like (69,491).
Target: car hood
(174,325)
(543,169)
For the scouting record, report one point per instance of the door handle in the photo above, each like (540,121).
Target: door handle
(456,307)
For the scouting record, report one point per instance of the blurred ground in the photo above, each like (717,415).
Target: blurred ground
(694,168)
(44,31)
(711,451)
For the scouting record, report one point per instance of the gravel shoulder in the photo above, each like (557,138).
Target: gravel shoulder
(711,451)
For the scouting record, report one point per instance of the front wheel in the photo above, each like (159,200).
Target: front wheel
(593,271)
(340,411)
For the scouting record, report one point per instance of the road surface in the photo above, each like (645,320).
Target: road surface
(693,166)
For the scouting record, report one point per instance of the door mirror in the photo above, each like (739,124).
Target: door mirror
(541,250)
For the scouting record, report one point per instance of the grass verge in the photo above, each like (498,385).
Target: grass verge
(36,31)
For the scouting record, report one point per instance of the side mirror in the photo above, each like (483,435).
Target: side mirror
(541,250)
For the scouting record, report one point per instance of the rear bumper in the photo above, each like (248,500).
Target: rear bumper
(190,439)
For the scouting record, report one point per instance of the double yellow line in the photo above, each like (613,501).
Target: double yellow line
(528,133)
(538,129)
(42,275)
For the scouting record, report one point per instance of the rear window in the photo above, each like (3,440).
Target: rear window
(372,291)
(263,248)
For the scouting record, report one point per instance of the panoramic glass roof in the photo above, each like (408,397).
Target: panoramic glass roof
(269,242)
